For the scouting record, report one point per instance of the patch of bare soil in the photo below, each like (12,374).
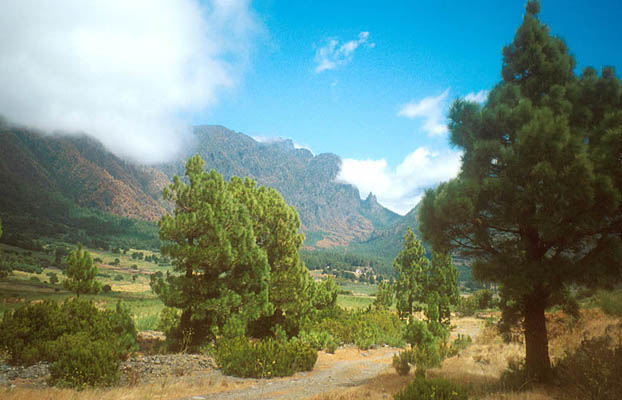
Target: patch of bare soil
(350,373)
(348,367)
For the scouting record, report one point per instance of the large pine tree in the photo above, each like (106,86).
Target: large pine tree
(537,203)
(235,251)
(221,272)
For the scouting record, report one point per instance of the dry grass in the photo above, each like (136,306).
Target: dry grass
(564,336)
(168,387)
(381,387)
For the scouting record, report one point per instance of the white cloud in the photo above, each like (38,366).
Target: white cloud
(122,71)
(400,189)
(332,55)
(277,139)
(479,97)
(431,110)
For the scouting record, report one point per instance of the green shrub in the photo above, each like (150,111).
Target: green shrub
(118,277)
(459,344)
(425,356)
(331,346)
(428,344)
(365,328)
(33,269)
(484,299)
(610,302)
(432,389)
(106,289)
(401,362)
(267,358)
(82,361)
(168,319)
(30,333)
(319,340)
(593,369)
(417,333)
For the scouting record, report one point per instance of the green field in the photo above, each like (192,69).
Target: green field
(129,281)
(350,302)
(357,288)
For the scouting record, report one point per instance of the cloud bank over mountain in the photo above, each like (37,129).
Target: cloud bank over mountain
(126,72)
(401,188)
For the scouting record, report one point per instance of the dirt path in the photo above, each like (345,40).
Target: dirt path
(347,368)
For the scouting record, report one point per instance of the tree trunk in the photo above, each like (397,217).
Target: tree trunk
(538,362)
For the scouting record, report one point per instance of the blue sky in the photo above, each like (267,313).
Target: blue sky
(368,81)
(406,52)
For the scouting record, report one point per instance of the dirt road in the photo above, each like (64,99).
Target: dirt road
(347,368)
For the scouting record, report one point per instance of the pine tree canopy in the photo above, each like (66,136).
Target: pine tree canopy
(81,273)
(537,202)
(234,248)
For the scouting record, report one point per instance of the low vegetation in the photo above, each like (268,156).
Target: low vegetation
(266,358)
(433,389)
(83,344)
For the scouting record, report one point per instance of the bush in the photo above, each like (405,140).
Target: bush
(84,362)
(467,306)
(267,358)
(168,319)
(48,332)
(459,344)
(32,269)
(484,299)
(610,302)
(118,277)
(431,389)
(424,357)
(593,369)
(365,328)
(319,340)
(106,289)
(401,362)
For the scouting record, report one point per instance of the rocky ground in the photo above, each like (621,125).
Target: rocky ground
(137,369)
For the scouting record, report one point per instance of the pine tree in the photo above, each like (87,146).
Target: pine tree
(81,273)
(412,267)
(421,282)
(384,296)
(537,201)
(441,289)
(277,230)
(234,248)
(222,272)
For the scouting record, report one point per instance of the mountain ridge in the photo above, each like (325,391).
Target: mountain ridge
(78,169)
